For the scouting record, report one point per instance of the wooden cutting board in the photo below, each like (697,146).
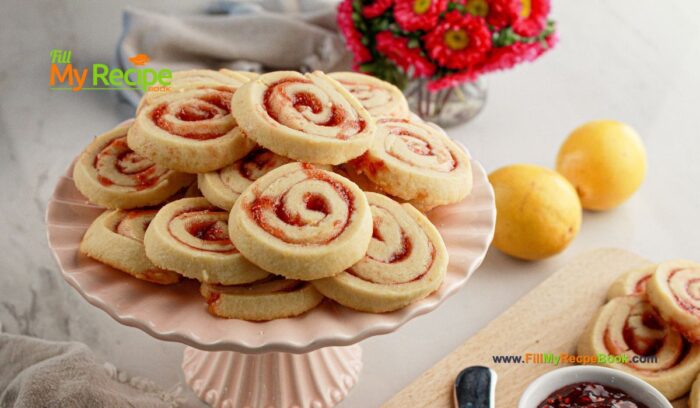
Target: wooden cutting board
(548,319)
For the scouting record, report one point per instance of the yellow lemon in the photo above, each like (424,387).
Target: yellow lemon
(605,161)
(538,211)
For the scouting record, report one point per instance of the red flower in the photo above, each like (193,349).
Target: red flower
(451,80)
(412,15)
(502,13)
(376,9)
(498,13)
(502,58)
(459,41)
(353,38)
(533,17)
(396,49)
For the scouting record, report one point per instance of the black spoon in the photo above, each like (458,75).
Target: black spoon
(475,387)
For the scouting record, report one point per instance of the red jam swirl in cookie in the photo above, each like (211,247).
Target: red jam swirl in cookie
(685,286)
(318,204)
(641,285)
(396,254)
(379,98)
(255,165)
(204,229)
(204,115)
(213,298)
(117,165)
(302,105)
(370,96)
(134,224)
(644,333)
(417,144)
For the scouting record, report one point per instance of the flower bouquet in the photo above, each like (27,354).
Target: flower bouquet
(443,45)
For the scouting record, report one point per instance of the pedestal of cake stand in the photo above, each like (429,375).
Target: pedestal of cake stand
(318,379)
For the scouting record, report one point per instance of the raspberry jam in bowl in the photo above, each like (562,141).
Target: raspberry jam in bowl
(587,394)
(590,386)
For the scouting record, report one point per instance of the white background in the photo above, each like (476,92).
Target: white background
(633,60)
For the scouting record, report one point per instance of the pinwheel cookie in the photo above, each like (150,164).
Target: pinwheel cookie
(674,290)
(694,398)
(192,131)
(630,326)
(110,174)
(190,236)
(224,79)
(116,239)
(310,118)
(239,74)
(302,222)
(268,299)
(632,282)
(380,98)
(406,261)
(222,187)
(417,162)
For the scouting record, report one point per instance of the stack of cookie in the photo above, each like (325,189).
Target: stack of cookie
(653,318)
(311,185)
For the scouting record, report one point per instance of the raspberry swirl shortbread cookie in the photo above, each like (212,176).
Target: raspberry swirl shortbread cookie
(222,187)
(224,79)
(112,175)
(191,131)
(116,239)
(380,98)
(267,299)
(674,289)
(417,162)
(694,398)
(190,236)
(239,74)
(633,282)
(210,78)
(406,261)
(630,326)
(302,222)
(310,118)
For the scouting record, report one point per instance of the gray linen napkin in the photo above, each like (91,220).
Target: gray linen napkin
(254,35)
(38,373)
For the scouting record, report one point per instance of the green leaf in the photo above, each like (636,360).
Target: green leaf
(367,68)
(505,37)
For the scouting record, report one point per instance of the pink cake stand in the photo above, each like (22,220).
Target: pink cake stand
(308,361)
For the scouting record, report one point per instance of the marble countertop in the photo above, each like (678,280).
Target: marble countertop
(631,60)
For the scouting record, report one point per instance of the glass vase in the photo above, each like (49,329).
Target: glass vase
(447,107)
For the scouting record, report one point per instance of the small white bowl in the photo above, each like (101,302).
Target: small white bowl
(546,384)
